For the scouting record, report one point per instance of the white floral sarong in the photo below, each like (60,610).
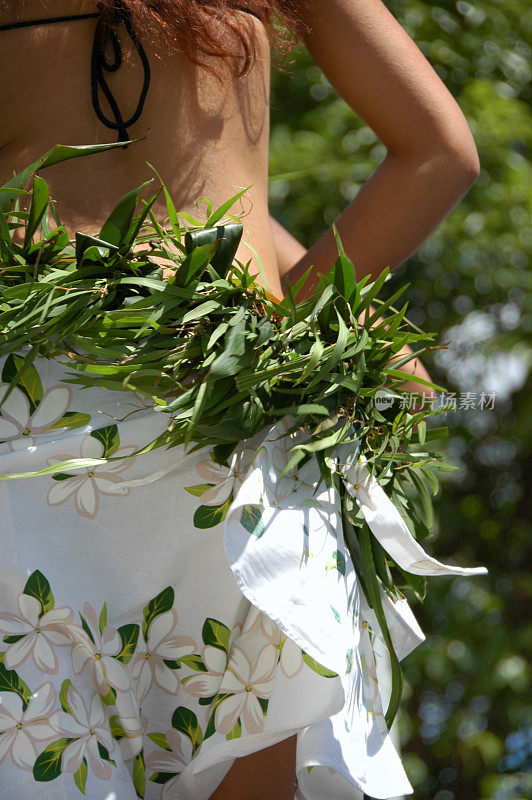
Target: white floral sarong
(162,616)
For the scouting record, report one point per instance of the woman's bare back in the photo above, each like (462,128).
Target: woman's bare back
(206,138)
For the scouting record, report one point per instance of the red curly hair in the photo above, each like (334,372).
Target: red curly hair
(184,25)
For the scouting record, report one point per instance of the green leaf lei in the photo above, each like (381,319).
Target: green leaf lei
(215,351)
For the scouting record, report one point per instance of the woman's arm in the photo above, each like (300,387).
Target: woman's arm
(290,251)
(432,159)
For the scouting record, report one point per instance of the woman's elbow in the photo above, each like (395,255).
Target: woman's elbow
(457,165)
(461,152)
(468,162)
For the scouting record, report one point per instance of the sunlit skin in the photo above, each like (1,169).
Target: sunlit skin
(209,140)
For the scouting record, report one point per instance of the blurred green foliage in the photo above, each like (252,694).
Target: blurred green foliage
(466,724)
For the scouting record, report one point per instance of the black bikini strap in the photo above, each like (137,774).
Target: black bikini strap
(46,21)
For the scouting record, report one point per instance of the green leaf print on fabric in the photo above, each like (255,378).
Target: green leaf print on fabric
(11,639)
(29,384)
(211,516)
(10,682)
(139,774)
(251,520)
(80,777)
(263,703)
(160,740)
(319,668)
(194,662)
(110,698)
(216,634)
(102,621)
(236,733)
(337,562)
(85,626)
(63,695)
(27,410)
(162,777)
(349,656)
(211,729)
(117,731)
(109,437)
(71,420)
(37,586)
(185,721)
(47,767)
(157,606)
(198,489)
(104,753)
(171,663)
(129,635)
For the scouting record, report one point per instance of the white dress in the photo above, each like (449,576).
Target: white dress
(163,615)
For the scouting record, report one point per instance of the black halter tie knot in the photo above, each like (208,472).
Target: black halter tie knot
(105,33)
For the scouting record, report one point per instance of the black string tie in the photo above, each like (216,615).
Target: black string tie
(103,35)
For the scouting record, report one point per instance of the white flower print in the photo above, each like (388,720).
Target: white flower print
(206,684)
(89,727)
(40,634)
(173,761)
(225,479)
(273,459)
(245,682)
(18,427)
(148,662)
(87,484)
(259,623)
(23,732)
(291,659)
(134,723)
(98,656)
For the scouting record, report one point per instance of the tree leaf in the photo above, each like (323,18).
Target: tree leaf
(59,153)
(39,203)
(116,226)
